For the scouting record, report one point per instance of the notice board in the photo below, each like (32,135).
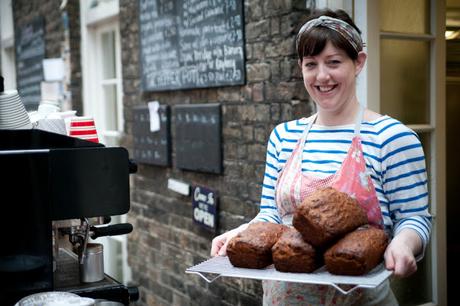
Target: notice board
(30,52)
(152,147)
(191,43)
(197,140)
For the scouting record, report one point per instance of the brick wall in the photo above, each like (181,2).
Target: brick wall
(25,11)
(165,241)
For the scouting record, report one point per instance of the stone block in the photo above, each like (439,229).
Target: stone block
(256,152)
(247,133)
(257,30)
(258,51)
(258,72)
(261,134)
(258,92)
(275,112)
(262,112)
(275,23)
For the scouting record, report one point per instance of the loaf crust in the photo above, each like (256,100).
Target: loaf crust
(251,248)
(327,215)
(357,253)
(293,254)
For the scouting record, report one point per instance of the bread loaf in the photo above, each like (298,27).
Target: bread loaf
(327,215)
(251,248)
(357,253)
(292,254)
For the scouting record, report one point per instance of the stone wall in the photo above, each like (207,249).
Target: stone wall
(25,11)
(166,241)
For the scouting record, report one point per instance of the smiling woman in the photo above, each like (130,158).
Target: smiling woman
(375,159)
(331,55)
(330,79)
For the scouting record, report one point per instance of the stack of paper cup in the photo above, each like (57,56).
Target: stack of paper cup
(13,114)
(83,128)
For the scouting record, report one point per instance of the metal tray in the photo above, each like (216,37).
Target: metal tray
(216,267)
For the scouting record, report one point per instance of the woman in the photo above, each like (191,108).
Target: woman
(374,158)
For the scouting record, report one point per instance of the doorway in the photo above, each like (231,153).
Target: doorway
(452,145)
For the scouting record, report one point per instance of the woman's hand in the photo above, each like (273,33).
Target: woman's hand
(219,243)
(400,254)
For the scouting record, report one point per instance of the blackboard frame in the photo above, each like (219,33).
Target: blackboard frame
(177,79)
(198,143)
(153,148)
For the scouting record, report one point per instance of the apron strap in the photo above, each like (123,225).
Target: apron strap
(306,131)
(359,119)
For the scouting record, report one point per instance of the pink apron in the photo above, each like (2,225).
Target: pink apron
(293,186)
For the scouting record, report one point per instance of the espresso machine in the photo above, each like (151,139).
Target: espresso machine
(57,192)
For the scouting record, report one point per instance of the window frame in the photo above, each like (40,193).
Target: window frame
(7,51)
(367,18)
(94,22)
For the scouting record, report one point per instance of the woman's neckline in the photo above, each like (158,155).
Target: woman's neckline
(348,125)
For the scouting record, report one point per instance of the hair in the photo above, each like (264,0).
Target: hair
(314,41)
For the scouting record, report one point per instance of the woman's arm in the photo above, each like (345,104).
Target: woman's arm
(400,254)
(405,186)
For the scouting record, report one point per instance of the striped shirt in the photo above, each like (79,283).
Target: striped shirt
(394,158)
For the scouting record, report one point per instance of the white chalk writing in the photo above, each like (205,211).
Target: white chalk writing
(191,43)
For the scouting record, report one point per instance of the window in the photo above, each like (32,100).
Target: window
(405,78)
(102,99)
(101,65)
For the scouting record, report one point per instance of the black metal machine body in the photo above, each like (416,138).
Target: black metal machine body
(46,177)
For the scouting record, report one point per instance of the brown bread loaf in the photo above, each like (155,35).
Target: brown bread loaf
(327,215)
(292,254)
(357,253)
(251,248)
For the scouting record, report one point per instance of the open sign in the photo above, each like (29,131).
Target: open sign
(204,203)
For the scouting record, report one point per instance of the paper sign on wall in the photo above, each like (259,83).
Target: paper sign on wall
(154,116)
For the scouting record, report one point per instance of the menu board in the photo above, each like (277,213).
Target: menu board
(30,52)
(152,147)
(197,138)
(191,43)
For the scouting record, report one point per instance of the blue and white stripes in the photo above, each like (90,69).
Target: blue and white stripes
(394,158)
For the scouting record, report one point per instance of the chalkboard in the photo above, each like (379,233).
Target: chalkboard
(30,52)
(152,147)
(191,43)
(197,138)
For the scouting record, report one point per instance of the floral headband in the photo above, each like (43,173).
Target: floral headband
(340,26)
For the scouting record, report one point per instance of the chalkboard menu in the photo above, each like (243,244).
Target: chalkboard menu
(152,147)
(191,43)
(197,138)
(30,52)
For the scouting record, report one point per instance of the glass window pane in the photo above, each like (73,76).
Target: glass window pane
(404,80)
(111,111)
(112,259)
(408,16)
(108,55)
(453,57)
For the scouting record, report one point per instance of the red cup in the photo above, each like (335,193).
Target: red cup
(83,128)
